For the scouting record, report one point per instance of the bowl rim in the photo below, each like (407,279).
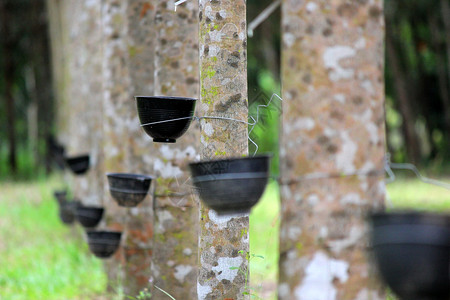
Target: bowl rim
(231,176)
(113,232)
(80,207)
(165,97)
(412,216)
(134,176)
(69,159)
(230,159)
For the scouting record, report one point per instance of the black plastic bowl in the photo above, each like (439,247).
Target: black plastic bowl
(67,210)
(412,251)
(103,244)
(231,185)
(174,113)
(128,189)
(78,164)
(89,216)
(60,195)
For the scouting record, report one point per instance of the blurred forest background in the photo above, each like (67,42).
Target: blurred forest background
(417,84)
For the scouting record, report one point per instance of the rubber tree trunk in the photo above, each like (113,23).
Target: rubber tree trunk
(174,264)
(333,128)
(84,94)
(223,244)
(128,54)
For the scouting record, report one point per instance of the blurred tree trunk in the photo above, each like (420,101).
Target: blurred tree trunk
(8,51)
(443,83)
(332,147)
(403,97)
(43,87)
(445,13)
(224,243)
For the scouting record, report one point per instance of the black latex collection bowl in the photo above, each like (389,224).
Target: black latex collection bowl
(78,164)
(174,113)
(60,195)
(128,189)
(67,211)
(231,185)
(412,252)
(103,244)
(89,216)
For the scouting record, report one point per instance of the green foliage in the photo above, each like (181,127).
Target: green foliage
(27,167)
(416,31)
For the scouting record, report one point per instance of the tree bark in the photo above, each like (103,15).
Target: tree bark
(223,268)
(174,264)
(128,55)
(332,147)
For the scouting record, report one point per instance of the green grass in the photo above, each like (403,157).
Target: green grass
(41,258)
(412,193)
(264,224)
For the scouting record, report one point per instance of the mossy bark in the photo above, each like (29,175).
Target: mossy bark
(174,264)
(333,129)
(223,244)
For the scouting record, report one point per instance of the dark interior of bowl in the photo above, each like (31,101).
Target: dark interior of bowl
(103,244)
(231,185)
(255,164)
(67,211)
(174,113)
(78,164)
(128,189)
(89,216)
(412,252)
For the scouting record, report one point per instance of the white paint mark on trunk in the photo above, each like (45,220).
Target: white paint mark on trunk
(356,233)
(203,291)
(331,58)
(320,273)
(181,271)
(345,158)
(223,269)
(166,170)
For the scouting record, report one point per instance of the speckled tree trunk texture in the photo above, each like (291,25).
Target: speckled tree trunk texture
(128,55)
(223,92)
(174,264)
(76,35)
(333,126)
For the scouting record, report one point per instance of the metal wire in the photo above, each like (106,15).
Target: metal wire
(317,176)
(408,166)
(252,124)
(388,166)
(262,17)
(178,3)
